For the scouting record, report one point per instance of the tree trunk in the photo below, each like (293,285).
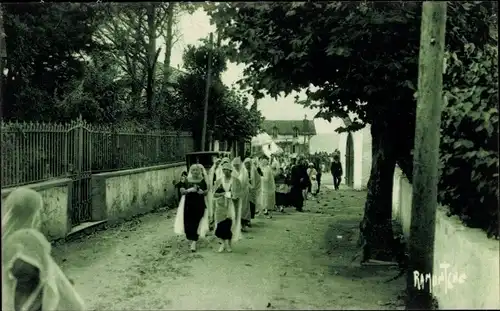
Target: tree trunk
(376,225)
(151,21)
(169,37)
(3,55)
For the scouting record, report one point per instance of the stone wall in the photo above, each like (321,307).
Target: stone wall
(55,216)
(122,194)
(466,253)
(115,196)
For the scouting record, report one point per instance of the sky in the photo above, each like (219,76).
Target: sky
(196,26)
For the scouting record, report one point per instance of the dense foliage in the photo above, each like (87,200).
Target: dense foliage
(101,61)
(469,146)
(359,57)
(44,56)
(228,115)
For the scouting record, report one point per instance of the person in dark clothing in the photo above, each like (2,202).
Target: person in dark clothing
(295,196)
(194,189)
(281,189)
(299,182)
(305,180)
(317,165)
(336,170)
(179,184)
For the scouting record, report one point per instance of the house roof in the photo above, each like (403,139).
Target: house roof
(287,127)
(174,72)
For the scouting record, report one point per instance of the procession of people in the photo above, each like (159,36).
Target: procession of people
(223,200)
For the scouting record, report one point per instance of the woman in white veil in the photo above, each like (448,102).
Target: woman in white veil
(243,208)
(31,280)
(226,198)
(254,187)
(214,173)
(268,186)
(192,215)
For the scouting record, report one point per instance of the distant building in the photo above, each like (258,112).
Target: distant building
(293,136)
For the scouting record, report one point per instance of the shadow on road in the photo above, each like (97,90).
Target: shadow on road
(292,261)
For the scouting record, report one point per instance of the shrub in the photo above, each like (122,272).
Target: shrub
(469,138)
(469,143)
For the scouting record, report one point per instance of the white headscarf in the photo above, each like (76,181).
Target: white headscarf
(21,210)
(22,240)
(203,173)
(242,173)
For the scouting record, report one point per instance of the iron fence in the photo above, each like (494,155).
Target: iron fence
(34,152)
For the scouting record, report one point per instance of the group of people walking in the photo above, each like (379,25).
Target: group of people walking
(225,199)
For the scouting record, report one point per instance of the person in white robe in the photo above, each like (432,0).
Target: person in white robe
(268,187)
(254,187)
(214,173)
(240,172)
(31,279)
(226,199)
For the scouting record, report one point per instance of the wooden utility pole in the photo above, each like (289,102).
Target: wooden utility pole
(426,155)
(212,138)
(207,90)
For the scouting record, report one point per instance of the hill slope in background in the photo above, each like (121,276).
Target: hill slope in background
(327,142)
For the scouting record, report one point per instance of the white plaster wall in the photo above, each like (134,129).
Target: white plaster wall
(342,148)
(367,157)
(362,156)
(467,251)
(358,158)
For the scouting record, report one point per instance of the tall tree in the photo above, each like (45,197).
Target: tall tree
(131,31)
(227,106)
(44,46)
(3,55)
(172,32)
(361,57)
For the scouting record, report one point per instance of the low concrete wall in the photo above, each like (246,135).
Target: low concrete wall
(467,251)
(55,216)
(122,194)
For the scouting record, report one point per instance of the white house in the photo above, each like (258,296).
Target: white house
(355,155)
(291,136)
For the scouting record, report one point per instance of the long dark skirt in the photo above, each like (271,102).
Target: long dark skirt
(252,210)
(296,197)
(223,230)
(318,178)
(194,208)
(281,199)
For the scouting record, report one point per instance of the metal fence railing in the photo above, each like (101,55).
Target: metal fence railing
(33,152)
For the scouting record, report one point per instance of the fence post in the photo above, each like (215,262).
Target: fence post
(114,147)
(80,143)
(19,136)
(157,141)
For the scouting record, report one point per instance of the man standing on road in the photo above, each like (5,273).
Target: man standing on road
(336,170)
(336,153)
(317,165)
(295,195)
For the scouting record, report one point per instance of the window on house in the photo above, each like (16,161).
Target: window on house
(295,132)
(294,149)
(275,132)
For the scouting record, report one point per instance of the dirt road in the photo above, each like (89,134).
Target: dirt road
(292,261)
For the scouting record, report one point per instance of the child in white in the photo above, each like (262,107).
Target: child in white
(314,183)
